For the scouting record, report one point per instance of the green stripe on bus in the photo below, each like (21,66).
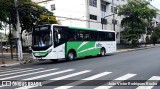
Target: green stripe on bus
(40,53)
(83,48)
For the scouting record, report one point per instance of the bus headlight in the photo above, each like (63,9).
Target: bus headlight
(50,50)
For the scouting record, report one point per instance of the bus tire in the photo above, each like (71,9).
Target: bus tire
(102,52)
(71,56)
(54,60)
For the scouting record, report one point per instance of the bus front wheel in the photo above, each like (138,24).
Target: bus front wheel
(71,56)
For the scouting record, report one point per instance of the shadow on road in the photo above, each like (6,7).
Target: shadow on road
(60,61)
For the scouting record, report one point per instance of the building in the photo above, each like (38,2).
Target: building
(90,14)
(86,13)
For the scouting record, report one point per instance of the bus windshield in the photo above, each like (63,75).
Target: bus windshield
(42,37)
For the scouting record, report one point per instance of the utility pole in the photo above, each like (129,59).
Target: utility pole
(18,28)
(113,15)
(88,14)
(2,51)
(113,21)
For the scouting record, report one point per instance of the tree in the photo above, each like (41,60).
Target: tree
(137,17)
(30,14)
(157,30)
(154,38)
(155,34)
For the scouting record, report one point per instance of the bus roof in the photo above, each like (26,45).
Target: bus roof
(92,29)
(79,28)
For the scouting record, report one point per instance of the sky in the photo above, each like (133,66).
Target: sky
(156,3)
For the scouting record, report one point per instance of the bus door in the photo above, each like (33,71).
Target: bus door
(60,38)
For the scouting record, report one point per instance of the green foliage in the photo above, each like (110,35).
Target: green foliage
(157,30)
(4,36)
(154,37)
(155,34)
(137,17)
(131,34)
(29,12)
(5,6)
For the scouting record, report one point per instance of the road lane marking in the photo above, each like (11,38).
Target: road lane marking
(21,71)
(50,74)
(15,70)
(6,69)
(64,77)
(71,75)
(28,74)
(149,87)
(125,77)
(36,77)
(70,85)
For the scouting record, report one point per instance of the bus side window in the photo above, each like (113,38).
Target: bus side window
(102,36)
(110,36)
(72,35)
(62,37)
(79,35)
(86,35)
(95,36)
(56,37)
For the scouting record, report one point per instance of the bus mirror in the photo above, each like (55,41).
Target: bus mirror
(59,36)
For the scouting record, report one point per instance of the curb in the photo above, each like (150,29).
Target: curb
(7,65)
(19,63)
(129,50)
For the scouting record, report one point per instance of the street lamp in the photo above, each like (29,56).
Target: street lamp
(113,21)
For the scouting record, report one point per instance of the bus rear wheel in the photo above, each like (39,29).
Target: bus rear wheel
(70,56)
(103,52)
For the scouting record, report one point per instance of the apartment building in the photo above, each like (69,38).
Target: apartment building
(86,13)
(100,14)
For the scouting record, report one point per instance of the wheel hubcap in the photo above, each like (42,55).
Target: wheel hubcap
(70,56)
(103,53)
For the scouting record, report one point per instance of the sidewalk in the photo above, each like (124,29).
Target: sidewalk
(28,57)
(6,60)
(140,48)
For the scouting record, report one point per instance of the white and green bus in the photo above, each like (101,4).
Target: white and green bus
(57,42)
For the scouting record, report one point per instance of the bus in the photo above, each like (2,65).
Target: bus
(66,42)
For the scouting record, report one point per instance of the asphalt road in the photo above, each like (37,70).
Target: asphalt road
(135,65)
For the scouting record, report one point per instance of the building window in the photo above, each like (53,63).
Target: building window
(103,7)
(93,17)
(114,9)
(93,3)
(53,7)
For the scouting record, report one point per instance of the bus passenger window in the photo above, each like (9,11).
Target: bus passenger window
(56,37)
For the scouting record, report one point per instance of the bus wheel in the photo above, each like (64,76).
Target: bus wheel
(71,56)
(103,52)
(54,60)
